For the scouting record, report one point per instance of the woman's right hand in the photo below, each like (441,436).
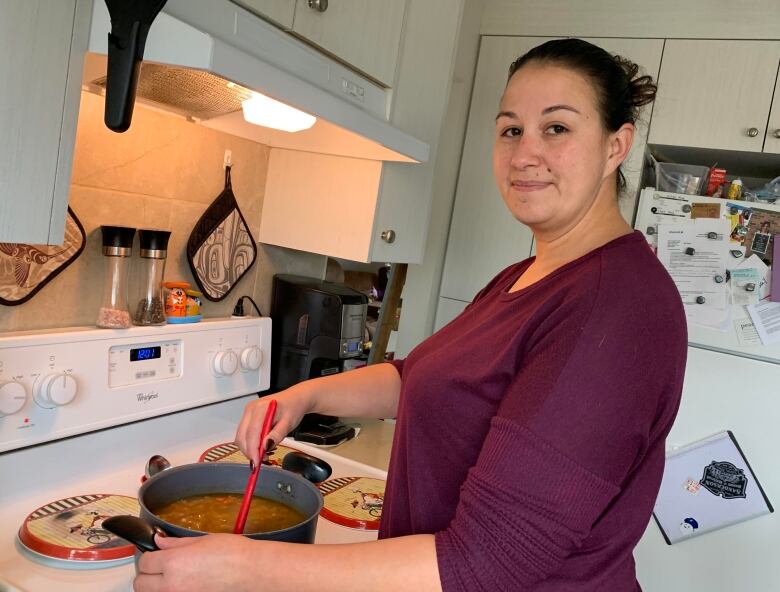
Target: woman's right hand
(292,405)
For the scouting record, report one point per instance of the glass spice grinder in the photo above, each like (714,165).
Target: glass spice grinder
(149,304)
(117,247)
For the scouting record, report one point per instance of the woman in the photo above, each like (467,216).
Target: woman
(529,445)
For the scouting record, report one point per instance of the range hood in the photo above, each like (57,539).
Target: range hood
(204,57)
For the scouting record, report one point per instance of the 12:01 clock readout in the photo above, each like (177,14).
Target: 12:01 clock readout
(145,353)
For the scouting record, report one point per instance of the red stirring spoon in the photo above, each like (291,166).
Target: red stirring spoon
(250,486)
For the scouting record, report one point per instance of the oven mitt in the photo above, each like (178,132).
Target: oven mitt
(220,248)
(25,269)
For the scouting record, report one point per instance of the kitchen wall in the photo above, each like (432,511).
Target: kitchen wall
(162,173)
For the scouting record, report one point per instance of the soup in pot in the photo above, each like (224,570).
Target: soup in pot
(217,512)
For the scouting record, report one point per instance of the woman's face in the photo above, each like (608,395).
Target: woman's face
(552,154)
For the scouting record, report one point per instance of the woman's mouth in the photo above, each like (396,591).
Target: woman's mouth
(529,186)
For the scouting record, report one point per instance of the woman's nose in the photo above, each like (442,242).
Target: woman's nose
(526,151)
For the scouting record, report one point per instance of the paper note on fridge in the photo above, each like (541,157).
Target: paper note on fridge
(766,318)
(695,254)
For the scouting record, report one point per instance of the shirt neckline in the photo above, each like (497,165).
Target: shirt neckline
(505,294)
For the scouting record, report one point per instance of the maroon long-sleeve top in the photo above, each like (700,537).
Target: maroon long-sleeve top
(530,433)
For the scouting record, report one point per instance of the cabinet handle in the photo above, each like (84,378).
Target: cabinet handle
(318,5)
(777,133)
(388,236)
(752,132)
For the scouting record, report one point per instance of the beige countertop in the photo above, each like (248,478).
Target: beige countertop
(372,445)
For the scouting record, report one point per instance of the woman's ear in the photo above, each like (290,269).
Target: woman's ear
(619,146)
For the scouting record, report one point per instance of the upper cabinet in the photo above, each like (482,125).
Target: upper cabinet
(280,12)
(772,142)
(361,209)
(364,33)
(717,94)
(39,103)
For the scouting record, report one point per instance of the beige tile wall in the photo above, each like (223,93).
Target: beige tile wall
(162,173)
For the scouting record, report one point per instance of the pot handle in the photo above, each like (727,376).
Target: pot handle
(309,467)
(134,530)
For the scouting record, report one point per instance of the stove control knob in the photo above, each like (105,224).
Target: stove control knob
(13,396)
(55,390)
(251,358)
(225,363)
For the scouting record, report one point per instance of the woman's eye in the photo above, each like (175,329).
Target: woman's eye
(556,129)
(512,132)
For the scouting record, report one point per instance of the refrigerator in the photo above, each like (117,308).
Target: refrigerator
(730,384)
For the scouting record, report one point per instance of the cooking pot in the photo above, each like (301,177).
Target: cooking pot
(292,485)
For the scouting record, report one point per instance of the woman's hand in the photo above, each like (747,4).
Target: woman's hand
(292,405)
(194,564)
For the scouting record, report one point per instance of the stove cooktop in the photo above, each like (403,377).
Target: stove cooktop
(113,461)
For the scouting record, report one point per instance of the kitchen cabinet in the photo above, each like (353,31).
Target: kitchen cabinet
(43,43)
(772,141)
(361,209)
(364,33)
(484,237)
(279,12)
(716,94)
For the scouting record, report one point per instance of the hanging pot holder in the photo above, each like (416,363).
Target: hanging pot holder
(25,269)
(220,248)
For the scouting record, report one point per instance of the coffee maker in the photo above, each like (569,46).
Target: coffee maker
(316,326)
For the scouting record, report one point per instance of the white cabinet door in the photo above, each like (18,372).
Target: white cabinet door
(420,100)
(341,206)
(772,141)
(363,33)
(484,237)
(280,12)
(42,44)
(715,94)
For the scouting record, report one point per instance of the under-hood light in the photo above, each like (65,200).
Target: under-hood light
(265,111)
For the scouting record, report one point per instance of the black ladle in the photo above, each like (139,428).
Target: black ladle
(130,23)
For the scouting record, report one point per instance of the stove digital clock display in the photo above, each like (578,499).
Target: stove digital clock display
(145,353)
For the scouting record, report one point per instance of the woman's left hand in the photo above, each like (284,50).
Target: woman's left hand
(194,564)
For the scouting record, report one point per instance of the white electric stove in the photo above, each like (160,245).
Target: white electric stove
(82,410)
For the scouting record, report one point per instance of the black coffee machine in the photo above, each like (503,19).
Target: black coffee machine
(316,326)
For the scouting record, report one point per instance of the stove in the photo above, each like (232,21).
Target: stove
(82,410)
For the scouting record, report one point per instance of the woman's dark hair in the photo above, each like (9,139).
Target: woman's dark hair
(619,92)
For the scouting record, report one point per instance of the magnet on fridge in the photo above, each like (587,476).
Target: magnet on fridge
(718,279)
(690,251)
(750,287)
(712,235)
(700,300)
(736,253)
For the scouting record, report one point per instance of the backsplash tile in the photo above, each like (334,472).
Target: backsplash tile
(162,173)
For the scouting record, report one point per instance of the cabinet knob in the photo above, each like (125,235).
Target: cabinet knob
(752,132)
(777,133)
(388,236)
(318,5)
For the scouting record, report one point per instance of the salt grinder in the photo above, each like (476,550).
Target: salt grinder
(117,247)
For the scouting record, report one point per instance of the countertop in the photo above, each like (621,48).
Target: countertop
(371,446)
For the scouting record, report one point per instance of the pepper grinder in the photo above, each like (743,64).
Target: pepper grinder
(117,247)
(150,307)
